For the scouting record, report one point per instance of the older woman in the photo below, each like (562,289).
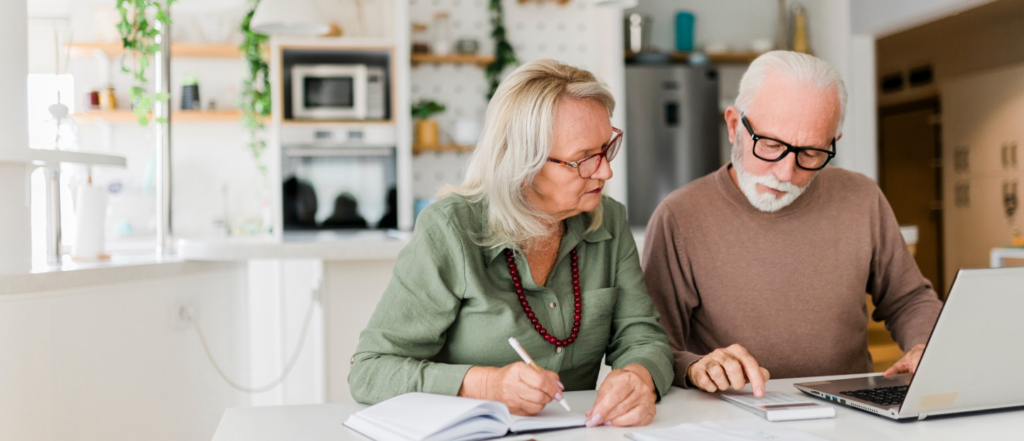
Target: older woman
(526,247)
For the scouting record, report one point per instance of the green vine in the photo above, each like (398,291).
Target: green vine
(255,89)
(504,55)
(138,29)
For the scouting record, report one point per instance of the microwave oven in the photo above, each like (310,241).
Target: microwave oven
(338,91)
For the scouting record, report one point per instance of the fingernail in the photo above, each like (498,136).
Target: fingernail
(561,385)
(594,419)
(758,391)
(558,396)
(607,423)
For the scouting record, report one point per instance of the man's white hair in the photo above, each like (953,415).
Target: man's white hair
(797,67)
(514,145)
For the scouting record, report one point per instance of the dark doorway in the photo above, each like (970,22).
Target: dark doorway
(910,175)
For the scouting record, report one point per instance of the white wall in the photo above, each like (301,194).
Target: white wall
(15,238)
(102,362)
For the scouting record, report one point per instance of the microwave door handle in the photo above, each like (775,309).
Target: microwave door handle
(336,152)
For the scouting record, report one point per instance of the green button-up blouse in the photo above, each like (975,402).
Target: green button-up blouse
(451,304)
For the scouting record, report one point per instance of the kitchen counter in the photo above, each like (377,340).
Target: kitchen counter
(323,245)
(118,269)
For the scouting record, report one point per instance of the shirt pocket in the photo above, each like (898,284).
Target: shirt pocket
(598,312)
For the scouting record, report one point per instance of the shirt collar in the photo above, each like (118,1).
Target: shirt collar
(575,232)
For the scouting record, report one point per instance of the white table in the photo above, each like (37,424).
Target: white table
(324,421)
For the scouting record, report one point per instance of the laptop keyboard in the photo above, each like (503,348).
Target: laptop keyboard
(882,396)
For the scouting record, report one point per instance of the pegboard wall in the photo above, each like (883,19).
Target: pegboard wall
(535,29)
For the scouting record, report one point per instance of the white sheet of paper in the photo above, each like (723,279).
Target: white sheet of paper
(735,430)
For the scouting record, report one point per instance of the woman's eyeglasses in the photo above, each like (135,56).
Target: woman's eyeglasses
(589,165)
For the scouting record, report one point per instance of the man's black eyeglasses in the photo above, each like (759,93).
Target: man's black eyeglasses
(773,150)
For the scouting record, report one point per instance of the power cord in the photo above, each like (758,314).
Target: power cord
(186,314)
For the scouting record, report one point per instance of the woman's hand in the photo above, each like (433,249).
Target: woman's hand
(626,398)
(524,389)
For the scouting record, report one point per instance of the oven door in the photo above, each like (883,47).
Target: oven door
(331,188)
(325,91)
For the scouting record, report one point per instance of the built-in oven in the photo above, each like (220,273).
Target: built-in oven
(340,178)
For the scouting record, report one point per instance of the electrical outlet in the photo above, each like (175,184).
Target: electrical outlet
(180,313)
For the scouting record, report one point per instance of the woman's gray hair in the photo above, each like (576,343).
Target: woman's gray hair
(798,67)
(514,145)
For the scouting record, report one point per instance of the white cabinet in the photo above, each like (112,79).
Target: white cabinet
(982,128)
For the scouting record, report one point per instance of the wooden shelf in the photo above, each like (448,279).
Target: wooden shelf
(126,116)
(716,58)
(481,60)
(115,50)
(442,148)
(720,57)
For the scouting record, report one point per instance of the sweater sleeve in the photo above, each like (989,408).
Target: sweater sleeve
(903,298)
(408,327)
(671,287)
(637,338)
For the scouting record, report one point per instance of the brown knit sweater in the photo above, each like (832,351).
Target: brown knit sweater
(789,286)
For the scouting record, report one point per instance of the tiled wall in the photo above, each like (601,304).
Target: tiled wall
(535,29)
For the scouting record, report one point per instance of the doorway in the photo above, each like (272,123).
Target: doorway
(910,176)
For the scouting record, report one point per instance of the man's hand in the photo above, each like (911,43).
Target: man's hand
(730,367)
(907,363)
(625,398)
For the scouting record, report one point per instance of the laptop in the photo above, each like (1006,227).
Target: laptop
(972,361)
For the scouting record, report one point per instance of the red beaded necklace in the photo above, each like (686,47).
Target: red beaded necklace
(533,317)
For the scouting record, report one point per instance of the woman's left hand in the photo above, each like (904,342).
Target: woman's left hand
(625,398)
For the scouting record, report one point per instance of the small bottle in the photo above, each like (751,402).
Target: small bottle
(442,40)
(108,101)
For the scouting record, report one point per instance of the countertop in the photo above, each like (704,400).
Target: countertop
(120,268)
(325,245)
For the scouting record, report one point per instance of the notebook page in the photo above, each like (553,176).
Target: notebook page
(418,416)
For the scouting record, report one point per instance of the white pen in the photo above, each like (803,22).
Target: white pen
(529,362)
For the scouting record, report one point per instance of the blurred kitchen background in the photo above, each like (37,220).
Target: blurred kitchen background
(306,204)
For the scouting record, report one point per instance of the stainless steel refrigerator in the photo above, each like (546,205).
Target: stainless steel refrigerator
(671,133)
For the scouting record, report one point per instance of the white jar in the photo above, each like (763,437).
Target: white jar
(466,133)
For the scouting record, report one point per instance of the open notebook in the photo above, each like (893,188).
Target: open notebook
(420,416)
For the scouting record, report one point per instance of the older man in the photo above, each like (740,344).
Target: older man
(762,265)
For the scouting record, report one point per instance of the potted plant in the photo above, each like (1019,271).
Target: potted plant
(426,128)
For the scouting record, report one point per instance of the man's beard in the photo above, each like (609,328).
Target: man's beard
(765,202)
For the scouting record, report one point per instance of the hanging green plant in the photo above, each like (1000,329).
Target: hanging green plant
(504,54)
(255,89)
(138,29)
